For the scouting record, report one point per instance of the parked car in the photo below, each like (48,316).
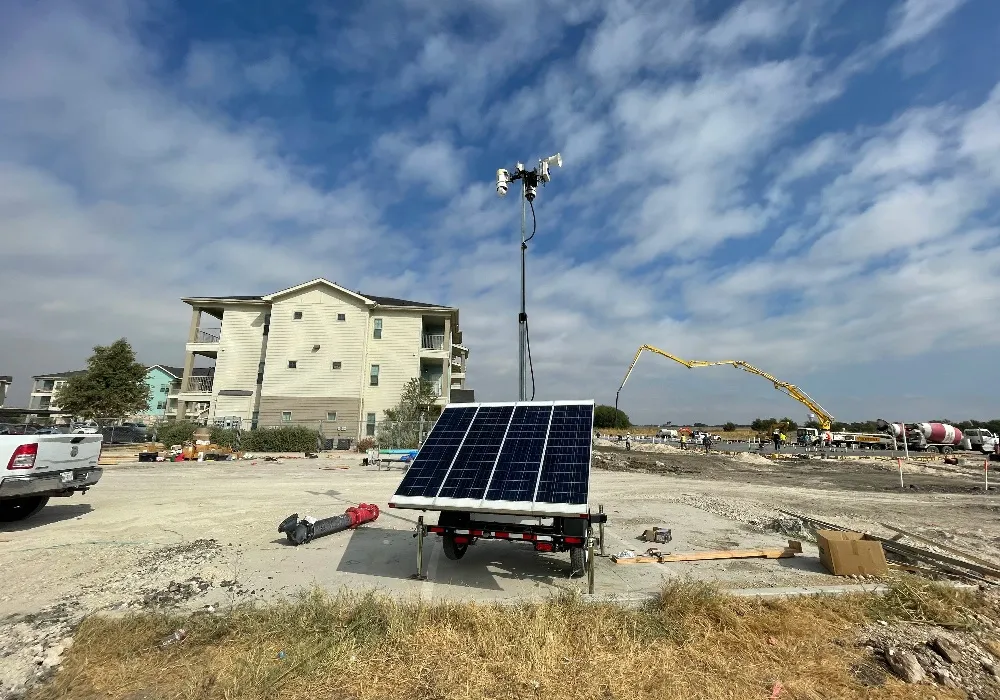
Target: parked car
(88,428)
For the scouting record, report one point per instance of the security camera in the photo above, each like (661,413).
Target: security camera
(503,177)
(545,163)
(529,192)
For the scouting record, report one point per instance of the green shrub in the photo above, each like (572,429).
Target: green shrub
(224,437)
(175,432)
(292,438)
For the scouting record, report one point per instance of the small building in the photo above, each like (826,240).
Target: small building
(164,383)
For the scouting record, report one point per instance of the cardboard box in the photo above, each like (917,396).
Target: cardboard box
(846,553)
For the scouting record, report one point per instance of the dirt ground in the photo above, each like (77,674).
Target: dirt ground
(204,536)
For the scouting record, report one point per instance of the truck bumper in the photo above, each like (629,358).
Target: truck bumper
(49,483)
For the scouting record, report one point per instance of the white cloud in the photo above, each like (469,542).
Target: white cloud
(686,159)
(912,20)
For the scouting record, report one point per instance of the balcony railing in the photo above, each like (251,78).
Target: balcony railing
(432,341)
(208,335)
(199,385)
(458,361)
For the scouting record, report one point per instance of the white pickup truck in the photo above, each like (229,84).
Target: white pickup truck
(35,468)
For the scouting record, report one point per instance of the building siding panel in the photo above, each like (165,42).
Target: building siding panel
(239,352)
(339,341)
(311,412)
(397,353)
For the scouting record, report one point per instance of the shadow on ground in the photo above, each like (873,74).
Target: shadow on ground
(48,515)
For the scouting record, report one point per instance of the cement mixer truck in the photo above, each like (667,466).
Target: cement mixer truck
(938,437)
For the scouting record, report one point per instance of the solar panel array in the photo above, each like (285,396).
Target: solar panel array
(528,457)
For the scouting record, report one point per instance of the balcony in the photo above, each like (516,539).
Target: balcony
(206,342)
(432,341)
(198,385)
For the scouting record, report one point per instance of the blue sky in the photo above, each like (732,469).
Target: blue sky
(810,187)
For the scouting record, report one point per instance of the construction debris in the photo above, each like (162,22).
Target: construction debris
(969,567)
(660,535)
(309,528)
(845,553)
(654,556)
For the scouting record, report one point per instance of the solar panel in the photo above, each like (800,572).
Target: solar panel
(528,457)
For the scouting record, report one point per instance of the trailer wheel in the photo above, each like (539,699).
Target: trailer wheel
(20,508)
(577,562)
(947,449)
(452,549)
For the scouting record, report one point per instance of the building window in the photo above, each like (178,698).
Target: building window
(297,315)
(370,426)
(337,365)
(373,380)
(377,333)
(341,317)
(164,388)
(292,364)
(286,416)
(161,405)
(331,416)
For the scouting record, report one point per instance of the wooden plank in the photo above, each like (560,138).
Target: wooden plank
(939,545)
(794,547)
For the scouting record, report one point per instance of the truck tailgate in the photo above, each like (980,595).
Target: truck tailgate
(63,452)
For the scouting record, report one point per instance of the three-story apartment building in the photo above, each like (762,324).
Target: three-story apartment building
(44,390)
(317,352)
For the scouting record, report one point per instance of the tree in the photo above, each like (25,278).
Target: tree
(729,427)
(400,428)
(763,425)
(610,417)
(113,386)
(788,424)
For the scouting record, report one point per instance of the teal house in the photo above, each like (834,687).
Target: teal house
(162,381)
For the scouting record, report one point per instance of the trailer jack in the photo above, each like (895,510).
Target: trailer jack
(308,528)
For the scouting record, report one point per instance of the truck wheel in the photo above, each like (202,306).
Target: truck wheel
(452,549)
(21,508)
(931,448)
(947,449)
(577,562)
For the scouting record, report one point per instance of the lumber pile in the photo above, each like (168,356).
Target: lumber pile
(956,564)
(654,556)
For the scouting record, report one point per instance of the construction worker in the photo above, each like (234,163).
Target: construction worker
(707,442)
(784,440)
(683,441)
(776,438)
(628,442)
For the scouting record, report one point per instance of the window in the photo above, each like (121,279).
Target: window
(164,388)
(297,315)
(286,416)
(370,426)
(161,405)
(374,376)
(337,365)
(377,334)
(292,364)
(331,416)
(341,317)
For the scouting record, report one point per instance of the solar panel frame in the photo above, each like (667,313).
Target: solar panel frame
(519,507)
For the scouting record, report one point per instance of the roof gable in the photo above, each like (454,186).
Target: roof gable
(318,281)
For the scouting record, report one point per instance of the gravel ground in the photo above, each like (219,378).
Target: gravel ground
(195,536)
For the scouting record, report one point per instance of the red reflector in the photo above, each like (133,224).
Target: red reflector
(528,536)
(574,540)
(461,540)
(435,528)
(584,515)
(477,533)
(392,505)
(501,535)
(543,546)
(23,457)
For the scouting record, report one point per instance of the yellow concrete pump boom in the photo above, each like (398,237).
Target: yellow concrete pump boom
(823,417)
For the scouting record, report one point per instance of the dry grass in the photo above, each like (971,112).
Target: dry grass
(690,643)
(739,434)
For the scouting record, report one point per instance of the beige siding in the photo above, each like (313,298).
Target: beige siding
(239,351)
(234,406)
(311,412)
(397,354)
(341,341)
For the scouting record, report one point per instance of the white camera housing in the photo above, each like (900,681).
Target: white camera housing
(545,163)
(503,178)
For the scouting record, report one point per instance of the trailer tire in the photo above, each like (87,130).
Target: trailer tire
(20,508)
(577,562)
(947,449)
(452,549)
